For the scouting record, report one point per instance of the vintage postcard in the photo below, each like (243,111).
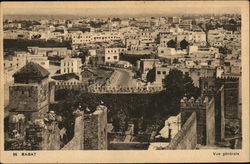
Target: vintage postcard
(128,81)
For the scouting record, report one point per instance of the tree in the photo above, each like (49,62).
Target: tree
(193,22)
(224,50)
(189,89)
(116,19)
(175,61)
(184,44)
(171,43)
(120,121)
(232,21)
(174,84)
(83,54)
(151,75)
(178,85)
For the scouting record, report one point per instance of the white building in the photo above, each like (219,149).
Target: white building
(71,65)
(39,59)
(172,126)
(22,58)
(92,37)
(106,36)
(112,54)
(132,44)
(198,37)
(79,37)
(92,52)
(192,49)
(167,52)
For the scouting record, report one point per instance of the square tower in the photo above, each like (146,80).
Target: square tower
(30,93)
(205,111)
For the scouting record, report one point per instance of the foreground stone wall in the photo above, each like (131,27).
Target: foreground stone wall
(90,132)
(77,141)
(219,115)
(210,122)
(95,129)
(186,138)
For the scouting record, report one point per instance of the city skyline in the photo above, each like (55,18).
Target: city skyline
(113,9)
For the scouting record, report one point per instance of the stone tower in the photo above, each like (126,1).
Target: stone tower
(30,93)
(30,122)
(95,129)
(211,88)
(205,110)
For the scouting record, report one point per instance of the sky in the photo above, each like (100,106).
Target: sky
(115,8)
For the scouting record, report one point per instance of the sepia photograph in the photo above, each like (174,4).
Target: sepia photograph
(139,76)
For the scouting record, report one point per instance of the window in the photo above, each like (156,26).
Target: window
(108,58)
(164,72)
(115,57)
(162,51)
(158,72)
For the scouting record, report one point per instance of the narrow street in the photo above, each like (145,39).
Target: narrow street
(123,78)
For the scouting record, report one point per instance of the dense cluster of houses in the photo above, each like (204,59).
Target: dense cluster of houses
(176,42)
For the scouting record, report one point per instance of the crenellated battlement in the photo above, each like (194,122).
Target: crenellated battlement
(108,89)
(223,78)
(207,77)
(194,103)
(204,107)
(228,78)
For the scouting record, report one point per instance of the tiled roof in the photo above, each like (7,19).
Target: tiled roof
(32,70)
